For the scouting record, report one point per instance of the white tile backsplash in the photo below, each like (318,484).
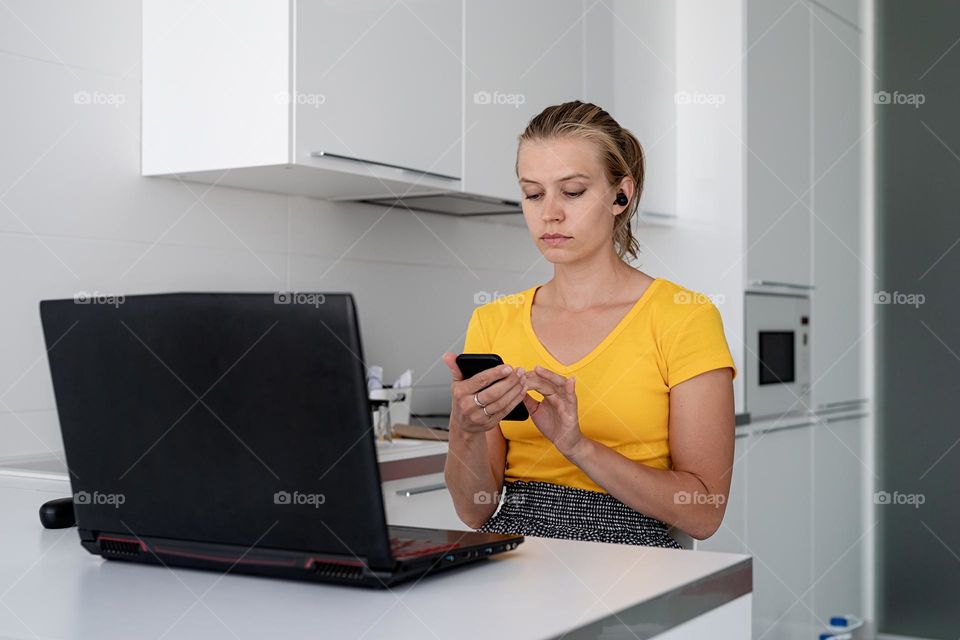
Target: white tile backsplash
(30,433)
(35,271)
(92,152)
(100,35)
(396,235)
(409,314)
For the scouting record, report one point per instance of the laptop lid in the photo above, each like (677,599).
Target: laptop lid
(228,418)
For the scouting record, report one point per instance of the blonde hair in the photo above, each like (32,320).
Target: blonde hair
(620,152)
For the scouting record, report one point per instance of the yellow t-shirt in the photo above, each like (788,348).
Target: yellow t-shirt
(623,386)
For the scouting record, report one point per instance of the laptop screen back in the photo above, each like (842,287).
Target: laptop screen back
(229,418)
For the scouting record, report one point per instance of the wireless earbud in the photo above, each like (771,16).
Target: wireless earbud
(621,199)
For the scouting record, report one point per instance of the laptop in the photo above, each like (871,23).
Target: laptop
(232,432)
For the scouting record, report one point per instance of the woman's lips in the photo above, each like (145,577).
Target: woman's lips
(554,241)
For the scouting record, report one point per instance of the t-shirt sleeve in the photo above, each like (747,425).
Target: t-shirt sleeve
(476,339)
(699,346)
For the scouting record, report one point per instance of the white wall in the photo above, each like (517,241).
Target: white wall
(75,215)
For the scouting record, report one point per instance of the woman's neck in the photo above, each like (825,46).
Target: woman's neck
(581,285)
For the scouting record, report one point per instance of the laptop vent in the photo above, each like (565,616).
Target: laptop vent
(339,571)
(120,548)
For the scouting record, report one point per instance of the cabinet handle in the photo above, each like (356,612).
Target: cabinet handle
(843,403)
(784,427)
(844,417)
(737,436)
(327,154)
(657,214)
(789,285)
(424,489)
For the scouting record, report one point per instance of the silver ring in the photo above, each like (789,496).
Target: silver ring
(476,399)
(485,412)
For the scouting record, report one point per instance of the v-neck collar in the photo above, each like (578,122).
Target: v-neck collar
(556,365)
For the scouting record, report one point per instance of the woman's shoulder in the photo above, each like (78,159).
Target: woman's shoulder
(689,332)
(674,302)
(495,314)
(494,307)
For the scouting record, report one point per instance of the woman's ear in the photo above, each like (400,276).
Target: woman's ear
(626,187)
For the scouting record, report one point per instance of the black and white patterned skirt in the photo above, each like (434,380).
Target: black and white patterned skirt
(555,511)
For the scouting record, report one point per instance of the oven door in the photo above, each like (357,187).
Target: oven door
(778,354)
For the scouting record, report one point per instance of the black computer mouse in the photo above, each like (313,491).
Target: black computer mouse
(57,514)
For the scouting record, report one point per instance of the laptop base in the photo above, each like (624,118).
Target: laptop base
(306,566)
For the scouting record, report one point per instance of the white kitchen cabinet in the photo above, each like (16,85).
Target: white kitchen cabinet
(421,100)
(779,527)
(732,535)
(838,260)
(520,58)
(645,49)
(343,101)
(795,505)
(214,80)
(245,94)
(380,80)
(682,101)
(778,142)
(598,54)
(840,532)
(421,501)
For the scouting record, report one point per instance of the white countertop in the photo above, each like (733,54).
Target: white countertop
(403,448)
(53,467)
(50,587)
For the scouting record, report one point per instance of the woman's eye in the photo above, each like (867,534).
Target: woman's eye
(569,194)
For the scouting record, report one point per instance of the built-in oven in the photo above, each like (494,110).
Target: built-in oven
(777,358)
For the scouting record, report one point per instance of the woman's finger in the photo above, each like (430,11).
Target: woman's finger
(555,378)
(500,389)
(450,359)
(563,396)
(487,378)
(531,404)
(541,384)
(505,402)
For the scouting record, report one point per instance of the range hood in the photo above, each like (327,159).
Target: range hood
(452,203)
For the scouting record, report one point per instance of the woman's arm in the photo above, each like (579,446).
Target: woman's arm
(477,451)
(473,474)
(693,494)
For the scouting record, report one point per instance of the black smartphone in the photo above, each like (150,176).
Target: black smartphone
(471,364)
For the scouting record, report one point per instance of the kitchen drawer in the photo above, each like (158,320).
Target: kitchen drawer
(421,501)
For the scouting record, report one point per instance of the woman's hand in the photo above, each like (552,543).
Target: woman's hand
(506,386)
(556,415)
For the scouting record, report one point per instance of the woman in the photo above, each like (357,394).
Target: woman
(629,376)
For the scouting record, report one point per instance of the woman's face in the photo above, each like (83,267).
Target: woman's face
(566,194)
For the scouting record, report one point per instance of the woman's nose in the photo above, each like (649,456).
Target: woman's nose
(552,209)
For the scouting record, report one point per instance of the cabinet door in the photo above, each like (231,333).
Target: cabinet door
(646,37)
(779,530)
(838,541)
(211,75)
(838,264)
(778,140)
(520,58)
(421,501)
(381,81)
(732,535)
